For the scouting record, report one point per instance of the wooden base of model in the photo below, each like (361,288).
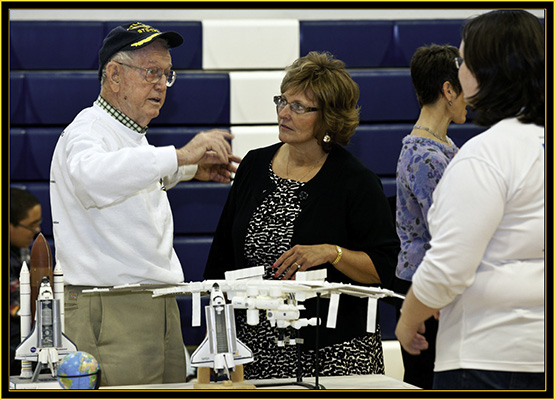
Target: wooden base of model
(236,382)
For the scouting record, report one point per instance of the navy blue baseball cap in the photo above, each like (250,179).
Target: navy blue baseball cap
(132,37)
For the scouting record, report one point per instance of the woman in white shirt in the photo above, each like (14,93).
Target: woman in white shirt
(485,267)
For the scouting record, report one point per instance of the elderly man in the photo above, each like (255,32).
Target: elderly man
(112,219)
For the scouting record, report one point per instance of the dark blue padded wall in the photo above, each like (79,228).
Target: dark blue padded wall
(51,98)
(197,98)
(373,44)
(359,44)
(197,206)
(413,34)
(55,98)
(386,95)
(31,153)
(78,42)
(378,146)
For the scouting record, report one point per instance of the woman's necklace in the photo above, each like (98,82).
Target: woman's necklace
(309,171)
(432,132)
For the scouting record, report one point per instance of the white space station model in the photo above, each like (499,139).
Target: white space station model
(245,289)
(280,300)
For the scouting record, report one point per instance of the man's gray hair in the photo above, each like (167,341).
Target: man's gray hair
(126,57)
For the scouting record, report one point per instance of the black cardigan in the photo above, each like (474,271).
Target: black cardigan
(343,204)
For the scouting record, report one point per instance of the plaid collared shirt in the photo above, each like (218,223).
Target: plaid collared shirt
(119,116)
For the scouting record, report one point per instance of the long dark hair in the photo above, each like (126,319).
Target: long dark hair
(504,50)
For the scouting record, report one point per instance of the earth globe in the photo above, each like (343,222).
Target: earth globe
(79,370)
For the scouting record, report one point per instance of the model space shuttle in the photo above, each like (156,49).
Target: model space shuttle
(220,350)
(42,339)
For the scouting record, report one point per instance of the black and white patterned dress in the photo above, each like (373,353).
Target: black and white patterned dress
(269,236)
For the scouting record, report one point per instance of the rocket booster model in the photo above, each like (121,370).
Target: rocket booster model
(221,349)
(40,266)
(43,342)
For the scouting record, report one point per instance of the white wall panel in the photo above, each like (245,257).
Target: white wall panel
(252,137)
(251,96)
(249,44)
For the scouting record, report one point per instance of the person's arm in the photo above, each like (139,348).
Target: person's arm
(208,147)
(468,207)
(368,251)
(202,159)
(357,265)
(103,175)
(410,327)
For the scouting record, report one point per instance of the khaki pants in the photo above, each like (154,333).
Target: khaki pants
(135,338)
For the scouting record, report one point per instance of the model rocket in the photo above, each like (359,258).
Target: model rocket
(40,266)
(220,350)
(43,341)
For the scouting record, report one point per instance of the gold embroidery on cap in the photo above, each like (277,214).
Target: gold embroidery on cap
(148,39)
(142,27)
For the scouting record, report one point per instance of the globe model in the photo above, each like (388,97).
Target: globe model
(78,370)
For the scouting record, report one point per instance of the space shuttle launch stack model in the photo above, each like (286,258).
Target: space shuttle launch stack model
(221,350)
(42,341)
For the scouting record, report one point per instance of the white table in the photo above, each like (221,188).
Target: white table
(353,382)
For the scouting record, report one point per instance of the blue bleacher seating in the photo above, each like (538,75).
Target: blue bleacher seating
(386,95)
(79,41)
(55,98)
(378,146)
(51,98)
(31,153)
(31,149)
(192,252)
(411,34)
(359,44)
(197,98)
(197,206)
(375,43)
(32,45)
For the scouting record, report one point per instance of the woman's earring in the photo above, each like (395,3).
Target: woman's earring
(327,138)
(450,103)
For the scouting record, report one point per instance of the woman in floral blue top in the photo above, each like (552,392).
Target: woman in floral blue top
(424,156)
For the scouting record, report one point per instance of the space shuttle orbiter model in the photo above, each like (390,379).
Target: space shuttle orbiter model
(220,350)
(43,341)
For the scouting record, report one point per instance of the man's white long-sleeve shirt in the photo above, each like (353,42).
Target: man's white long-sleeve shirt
(111,217)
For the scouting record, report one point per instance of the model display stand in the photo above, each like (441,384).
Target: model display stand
(237,380)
